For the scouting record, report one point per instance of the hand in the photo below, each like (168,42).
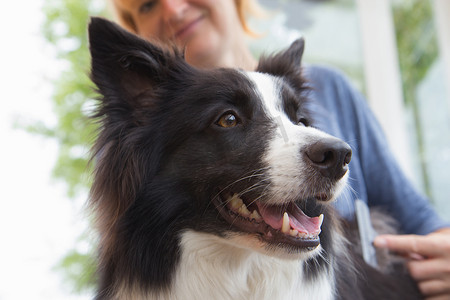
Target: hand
(429,260)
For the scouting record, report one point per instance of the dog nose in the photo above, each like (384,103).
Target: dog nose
(330,156)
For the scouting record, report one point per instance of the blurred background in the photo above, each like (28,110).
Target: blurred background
(397,52)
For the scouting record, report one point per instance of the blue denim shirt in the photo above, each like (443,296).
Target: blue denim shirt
(375,177)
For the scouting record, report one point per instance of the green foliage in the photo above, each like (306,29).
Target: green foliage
(417,47)
(416,42)
(66,28)
(79,270)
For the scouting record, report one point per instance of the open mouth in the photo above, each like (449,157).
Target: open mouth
(276,224)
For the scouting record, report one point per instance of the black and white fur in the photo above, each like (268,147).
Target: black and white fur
(175,142)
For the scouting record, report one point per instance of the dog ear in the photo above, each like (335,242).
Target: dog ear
(287,62)
(126,69)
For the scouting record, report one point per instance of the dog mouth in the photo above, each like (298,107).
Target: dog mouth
(275,224)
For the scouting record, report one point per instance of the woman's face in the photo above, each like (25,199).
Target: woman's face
(206,29)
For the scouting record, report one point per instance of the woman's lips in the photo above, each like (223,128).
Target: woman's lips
(186,30)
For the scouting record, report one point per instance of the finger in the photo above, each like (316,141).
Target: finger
(415,256)
(429,269)
(422,245)
(432,288)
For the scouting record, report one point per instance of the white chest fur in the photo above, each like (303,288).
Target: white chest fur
(210,268)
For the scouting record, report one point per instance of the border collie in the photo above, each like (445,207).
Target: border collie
(211,184)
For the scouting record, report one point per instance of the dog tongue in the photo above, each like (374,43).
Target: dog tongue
(298,220)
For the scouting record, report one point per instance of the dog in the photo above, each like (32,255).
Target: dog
(212,184)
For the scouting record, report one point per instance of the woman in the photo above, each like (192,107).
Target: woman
(213,34)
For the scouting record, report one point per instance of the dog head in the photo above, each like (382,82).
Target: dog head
(226,152)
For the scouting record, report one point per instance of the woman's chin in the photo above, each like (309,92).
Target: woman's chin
(202,54)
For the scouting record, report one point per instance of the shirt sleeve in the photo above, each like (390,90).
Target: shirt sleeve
(375,176)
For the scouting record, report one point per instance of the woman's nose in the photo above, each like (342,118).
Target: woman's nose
(173,10)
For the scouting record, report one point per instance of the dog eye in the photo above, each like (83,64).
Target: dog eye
(227,120)
(302,121)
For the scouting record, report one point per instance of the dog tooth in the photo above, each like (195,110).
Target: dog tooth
(320,220)
(255,215)
(303,235)
(243,210)
(285,227)
(235,201)
(293,232)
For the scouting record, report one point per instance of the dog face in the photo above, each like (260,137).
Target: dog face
(279,207)
(226,152)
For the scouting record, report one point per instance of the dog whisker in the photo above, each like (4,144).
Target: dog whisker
(254,174)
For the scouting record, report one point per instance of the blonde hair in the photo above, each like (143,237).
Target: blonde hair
(245,9)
